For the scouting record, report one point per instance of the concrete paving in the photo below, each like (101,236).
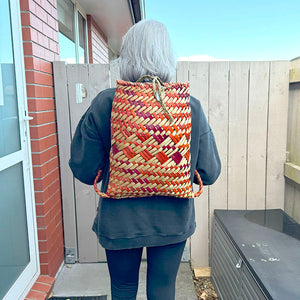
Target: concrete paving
(93,280)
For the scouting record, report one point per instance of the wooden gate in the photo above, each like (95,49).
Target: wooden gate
(246,104)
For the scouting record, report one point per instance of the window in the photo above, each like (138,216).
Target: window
(72,32)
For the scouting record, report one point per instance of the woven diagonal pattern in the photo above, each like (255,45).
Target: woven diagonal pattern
(149,154)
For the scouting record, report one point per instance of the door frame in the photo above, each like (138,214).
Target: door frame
(23,284)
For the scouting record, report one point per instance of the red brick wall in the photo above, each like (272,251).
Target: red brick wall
(98,47)
(40,43)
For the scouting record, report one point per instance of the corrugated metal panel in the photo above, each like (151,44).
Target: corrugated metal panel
(231,283)
(224,258)
(249,283)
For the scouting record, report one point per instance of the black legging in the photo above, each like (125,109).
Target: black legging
(162,267)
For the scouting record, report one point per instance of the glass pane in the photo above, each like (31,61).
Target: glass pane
(14,250)
(66,49)
(9,118)
(65,12)
(82,39)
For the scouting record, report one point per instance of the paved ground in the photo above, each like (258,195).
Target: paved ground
(93,280)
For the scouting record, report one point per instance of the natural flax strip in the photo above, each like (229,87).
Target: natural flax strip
(150,141)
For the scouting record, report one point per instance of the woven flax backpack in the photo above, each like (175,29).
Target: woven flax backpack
(150,141)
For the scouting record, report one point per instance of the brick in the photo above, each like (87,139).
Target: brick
(42,184)
(38,132)
(41,13)
(39,78)
(43,144)
(52,22)
(26,34)
(54,12)
(40,118)
(25,18)
(53,46)
(44,257)
(46,279)
(38,91)
(46,5)
(56,263)
(43,208)
(47,30)
(27,5)
(43,196)
(35,295)
(40,49)
(38,105)
(34,63)
(29,19)
(54,240)
(44,269)
(54,225)
(40,158)
(48,167)
(42,40)
(41,223)
(49,55)
(42,235)
(41,287)
(34,49)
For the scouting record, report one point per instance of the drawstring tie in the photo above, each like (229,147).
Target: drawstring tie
(158,90)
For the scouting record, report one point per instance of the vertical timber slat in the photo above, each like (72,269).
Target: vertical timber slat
(198,77)
(277,133)
(84,194)
(257,134)
(98,81)
(237,134)
(114,73)
(218,119)
(64,140)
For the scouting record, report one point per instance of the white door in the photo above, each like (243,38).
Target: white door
(19,265)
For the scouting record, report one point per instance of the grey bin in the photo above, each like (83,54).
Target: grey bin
(255,255)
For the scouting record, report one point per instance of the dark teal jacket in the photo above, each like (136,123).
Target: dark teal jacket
(139,222)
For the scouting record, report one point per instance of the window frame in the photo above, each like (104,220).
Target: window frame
(79,10)
(28,276)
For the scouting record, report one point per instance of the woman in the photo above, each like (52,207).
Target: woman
(159,223)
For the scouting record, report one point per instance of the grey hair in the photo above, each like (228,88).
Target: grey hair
(146,50)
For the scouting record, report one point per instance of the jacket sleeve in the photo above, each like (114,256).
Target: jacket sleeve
(208,162)
(88,150)
(206,153)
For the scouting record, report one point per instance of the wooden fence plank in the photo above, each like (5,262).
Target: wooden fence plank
(257,133)
(64,141)
(198,78)
(218,119)
(237,134)
(277,133)
(114,73)
(85,198)
(98,81)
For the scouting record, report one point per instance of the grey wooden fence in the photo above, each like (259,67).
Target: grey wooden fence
(292,166)
(246,104)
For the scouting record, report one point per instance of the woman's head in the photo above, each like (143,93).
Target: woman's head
(146,50)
